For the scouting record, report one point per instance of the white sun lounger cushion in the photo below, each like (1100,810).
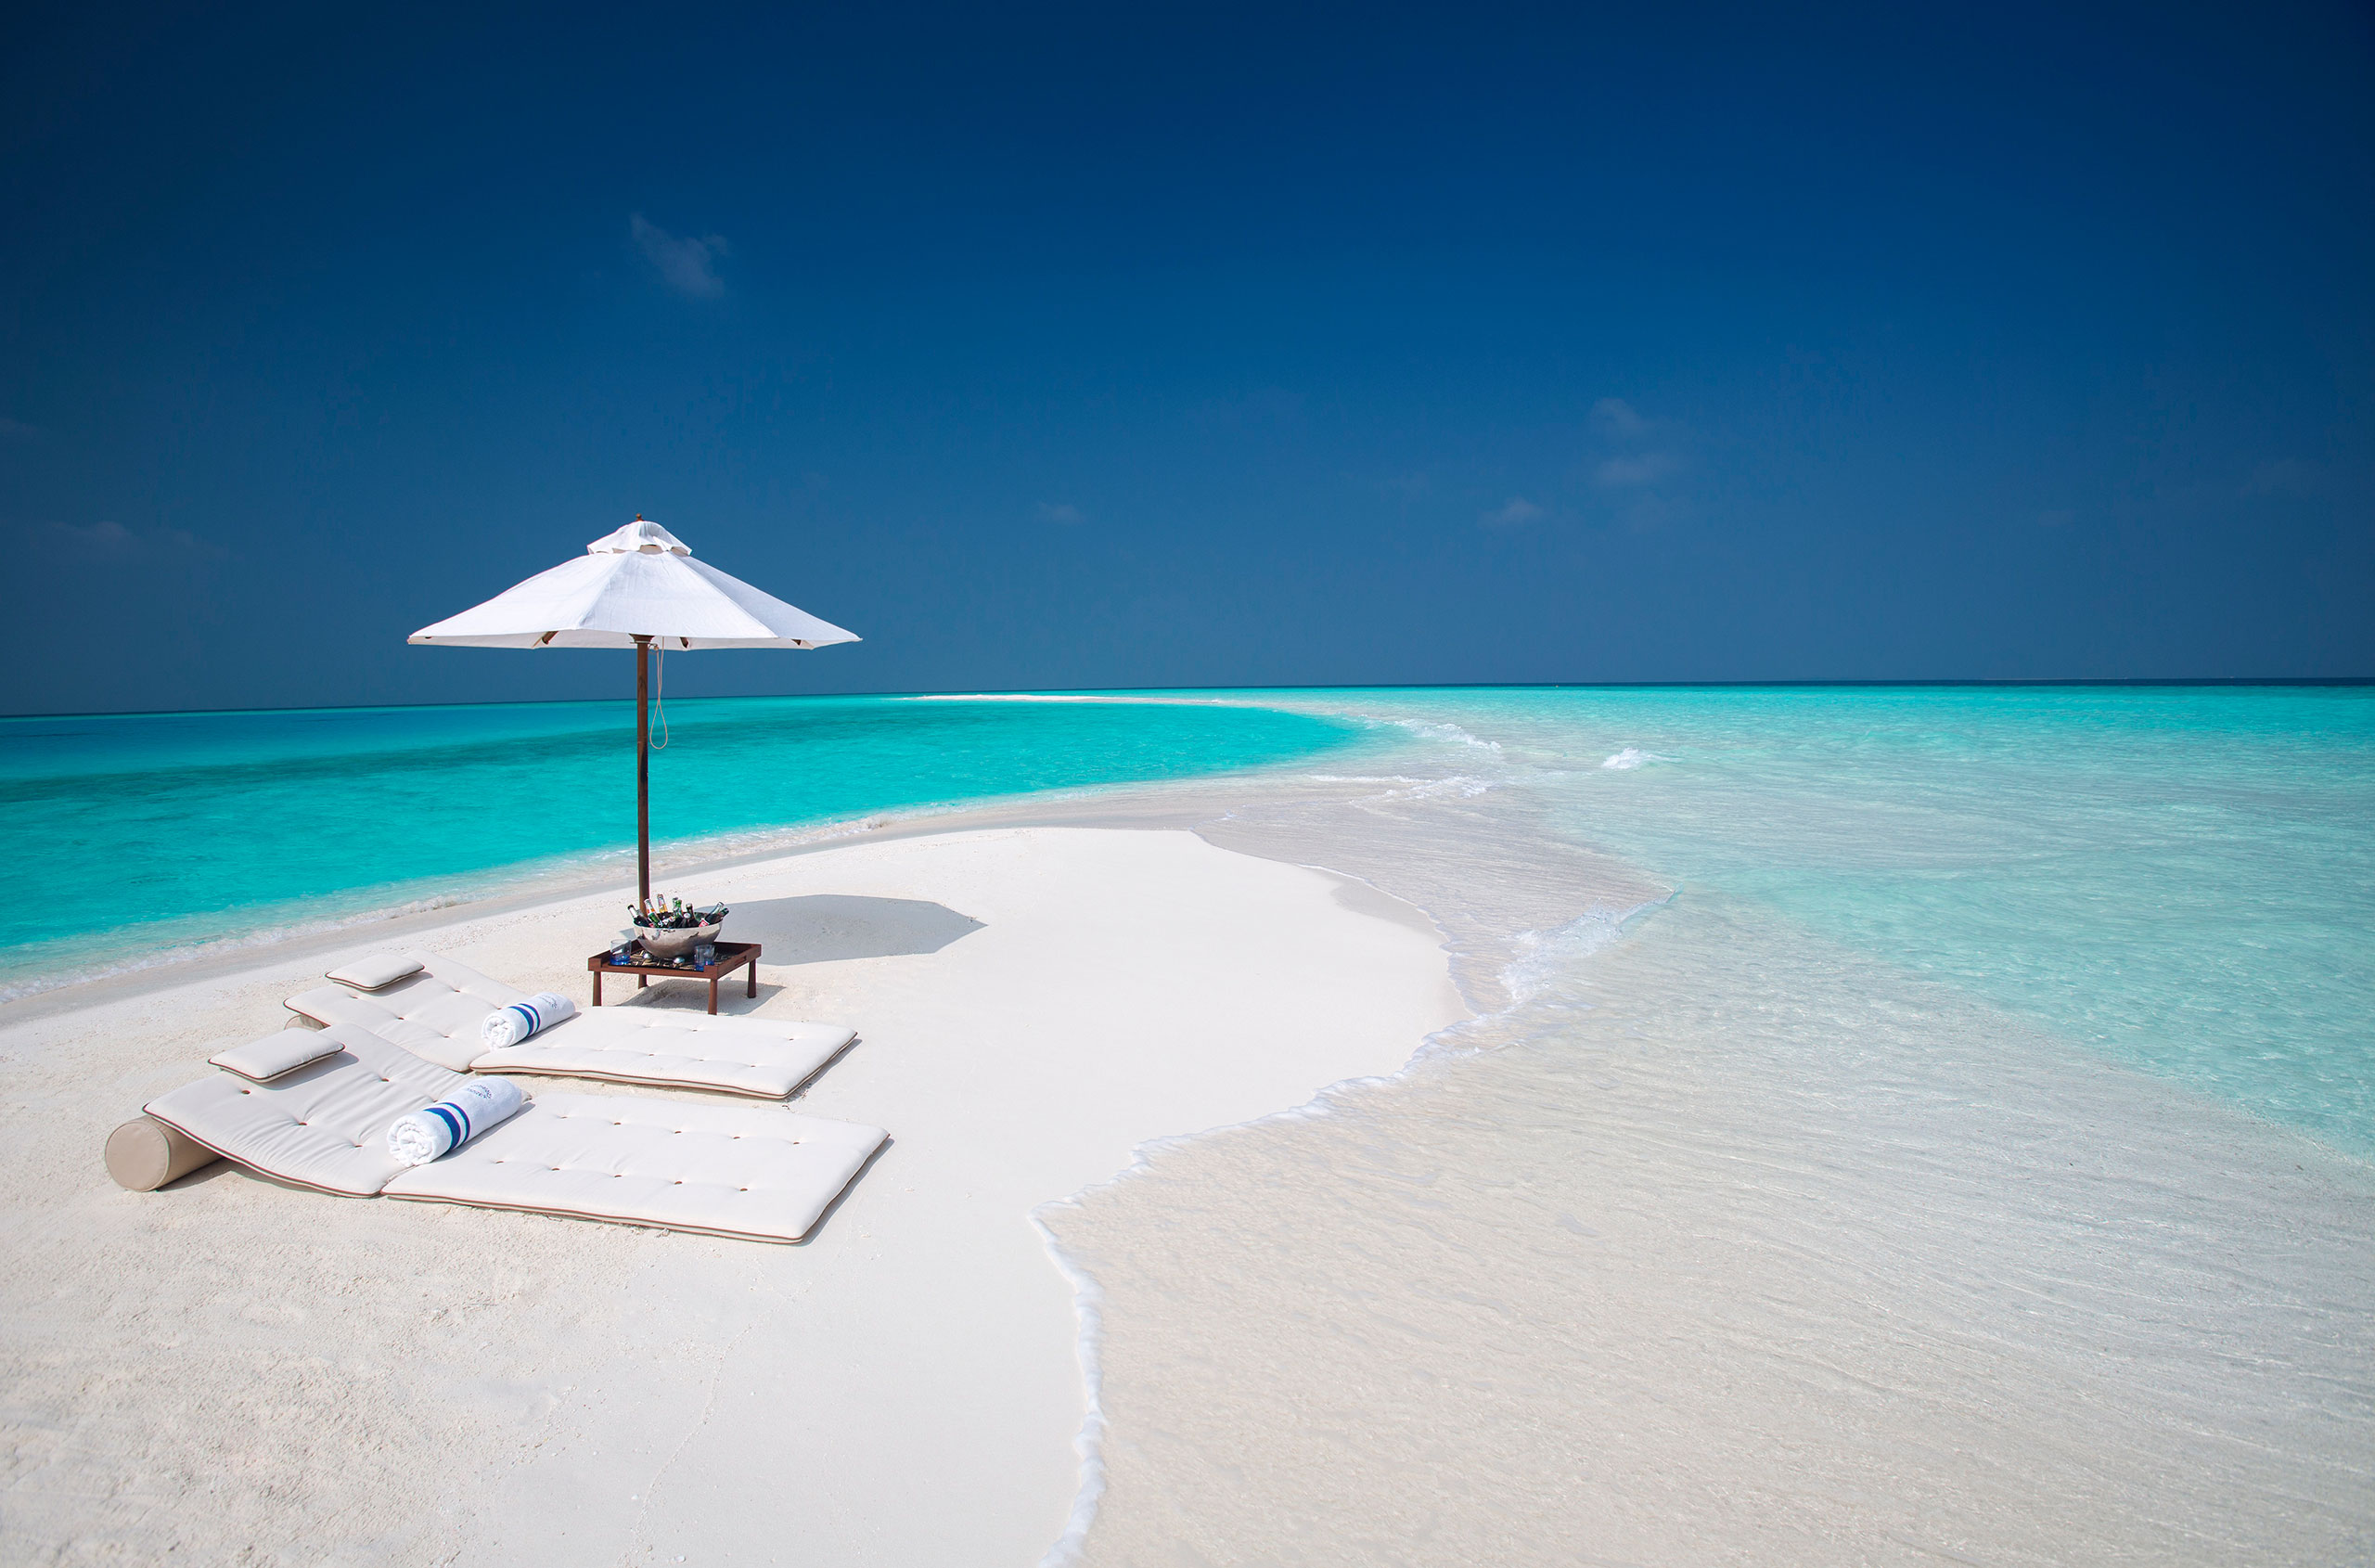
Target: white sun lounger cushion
(283,1050)
(376,970)
(753,1173)
(437,1015)
(764,1057)
(435,1012)
(323,1127)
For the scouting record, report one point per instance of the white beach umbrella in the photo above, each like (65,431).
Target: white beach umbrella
(641,588)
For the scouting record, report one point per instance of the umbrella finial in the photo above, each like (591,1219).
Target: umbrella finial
(642,536)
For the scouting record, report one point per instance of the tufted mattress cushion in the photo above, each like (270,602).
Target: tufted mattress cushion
(322,1127)
(755,1173)
(764,1057)
(436,1015)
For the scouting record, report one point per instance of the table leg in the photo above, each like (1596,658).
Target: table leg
(752,988)
(597,988)
(712,996)
(641,981)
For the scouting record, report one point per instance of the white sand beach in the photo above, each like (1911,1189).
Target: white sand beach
(231,1371)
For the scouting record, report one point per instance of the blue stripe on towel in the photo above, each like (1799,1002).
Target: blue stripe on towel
(455,1119)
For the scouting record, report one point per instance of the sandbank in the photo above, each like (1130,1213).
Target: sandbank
(233,1370)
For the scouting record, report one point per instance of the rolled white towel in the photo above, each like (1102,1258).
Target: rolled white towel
(436,1130)
(508,1026)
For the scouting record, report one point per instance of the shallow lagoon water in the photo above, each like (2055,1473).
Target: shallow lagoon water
(2180,877)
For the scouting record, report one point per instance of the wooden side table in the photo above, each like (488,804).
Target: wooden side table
(731,956)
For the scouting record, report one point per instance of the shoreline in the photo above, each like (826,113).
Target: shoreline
(1653,1284)
(166,968)
(199,844)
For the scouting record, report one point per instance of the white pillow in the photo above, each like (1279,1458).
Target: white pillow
(284,1050)
(376,970)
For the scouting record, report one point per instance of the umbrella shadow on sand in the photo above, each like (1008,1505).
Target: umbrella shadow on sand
(820,927)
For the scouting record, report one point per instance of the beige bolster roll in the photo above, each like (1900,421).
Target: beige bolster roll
(145,1154)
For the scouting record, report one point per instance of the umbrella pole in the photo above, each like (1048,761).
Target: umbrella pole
(643,769)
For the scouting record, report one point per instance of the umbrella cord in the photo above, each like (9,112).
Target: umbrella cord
(660,697)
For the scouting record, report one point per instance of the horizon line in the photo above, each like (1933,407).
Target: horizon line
(1931,683)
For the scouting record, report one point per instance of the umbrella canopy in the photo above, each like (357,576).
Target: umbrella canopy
(638,585)
(641,588)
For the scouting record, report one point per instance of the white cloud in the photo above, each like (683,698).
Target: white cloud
(1511,513)
(97,538)
(688,264)
(1637,454)
(1615,419)
(113,541)
(1059,511)
(1635,471)
(2283,477)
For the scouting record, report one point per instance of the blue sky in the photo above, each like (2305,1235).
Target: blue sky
(1106,346)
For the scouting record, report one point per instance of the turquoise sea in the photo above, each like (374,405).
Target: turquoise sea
(2181,878)
(176,833)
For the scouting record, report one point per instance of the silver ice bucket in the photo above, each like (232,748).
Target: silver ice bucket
(675,944)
